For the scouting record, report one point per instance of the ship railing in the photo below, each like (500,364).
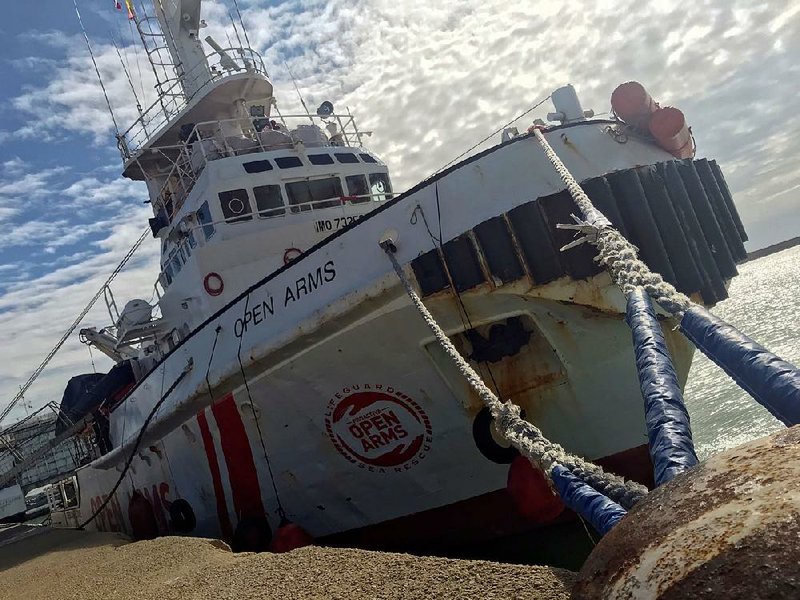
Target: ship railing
(172,100)
(208,141)
(212,140)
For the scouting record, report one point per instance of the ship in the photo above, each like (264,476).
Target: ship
(282,374)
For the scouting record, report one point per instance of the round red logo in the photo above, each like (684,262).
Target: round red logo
(378,427)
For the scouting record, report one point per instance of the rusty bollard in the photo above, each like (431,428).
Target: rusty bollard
(728,528)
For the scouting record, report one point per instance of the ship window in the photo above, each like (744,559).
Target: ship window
(168,274)
(257,166)
(346,157)
(175,261)
(379,186)
(357,188)
(367,158)
(288,162)
(320,159)
(235,206)
(319,193)
(204,216)
(70,494)
(190,239)
(269,202)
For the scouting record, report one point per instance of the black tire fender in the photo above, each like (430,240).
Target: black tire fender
(182,516)
(482,434)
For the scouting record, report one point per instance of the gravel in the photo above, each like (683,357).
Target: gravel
(84,566)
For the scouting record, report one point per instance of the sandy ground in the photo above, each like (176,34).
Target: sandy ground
(61,564)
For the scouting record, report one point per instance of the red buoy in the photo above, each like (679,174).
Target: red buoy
(288,537)
(631,103)
(668,126)
(531,493)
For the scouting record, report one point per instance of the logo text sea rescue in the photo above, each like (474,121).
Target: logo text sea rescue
(260,311)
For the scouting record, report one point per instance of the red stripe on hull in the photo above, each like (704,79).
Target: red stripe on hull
(482,518)
(216,477)
(242,472)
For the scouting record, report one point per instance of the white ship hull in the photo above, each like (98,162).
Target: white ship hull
(320,390)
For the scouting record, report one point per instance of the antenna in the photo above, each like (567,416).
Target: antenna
(96,69)
(128,76)
(297,89)
(239,39)
(244,29)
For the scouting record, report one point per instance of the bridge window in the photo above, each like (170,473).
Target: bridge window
(320,159)
(235,206)
(288,162)
(167,274)
(357,188)
(257,166)
(316,193)
(379,186)
(367,158)
(175,261)
(269,201)
(346,157)
(204,216)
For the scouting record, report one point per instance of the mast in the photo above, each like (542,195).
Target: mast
(180,23)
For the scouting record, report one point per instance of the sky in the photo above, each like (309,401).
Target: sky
(429,78)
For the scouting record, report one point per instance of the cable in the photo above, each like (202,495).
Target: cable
(281,512)
(142,431)
(495,132)
(244,29)
(96,70)
(75,323)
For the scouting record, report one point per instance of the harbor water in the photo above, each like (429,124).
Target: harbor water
(764,304)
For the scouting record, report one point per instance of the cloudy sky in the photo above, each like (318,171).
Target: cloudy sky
(430,78)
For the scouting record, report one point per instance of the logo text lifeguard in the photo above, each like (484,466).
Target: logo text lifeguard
(378,428)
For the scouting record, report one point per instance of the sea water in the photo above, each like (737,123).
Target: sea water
(764,304)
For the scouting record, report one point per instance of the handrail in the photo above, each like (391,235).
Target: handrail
(212,130)
(172,100)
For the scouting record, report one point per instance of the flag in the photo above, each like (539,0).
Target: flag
(129,5)
(117,5)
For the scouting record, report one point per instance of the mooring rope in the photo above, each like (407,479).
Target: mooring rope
(523,435)
(615,253)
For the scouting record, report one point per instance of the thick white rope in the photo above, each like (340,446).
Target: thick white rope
(615,253)
(523,435)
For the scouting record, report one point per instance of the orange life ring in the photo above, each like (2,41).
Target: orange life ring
(291,254)
(213,284)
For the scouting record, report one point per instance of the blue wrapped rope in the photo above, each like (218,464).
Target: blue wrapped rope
(668,430)
(770,380)
(593,506)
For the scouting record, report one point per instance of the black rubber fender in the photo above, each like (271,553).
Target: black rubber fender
(182,516)
(482,434)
